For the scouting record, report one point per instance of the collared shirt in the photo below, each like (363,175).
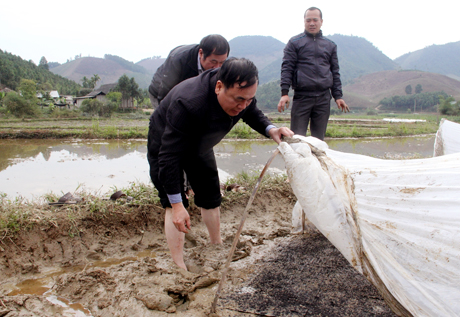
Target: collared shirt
(200,69)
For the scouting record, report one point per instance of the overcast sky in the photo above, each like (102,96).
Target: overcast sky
(134,30)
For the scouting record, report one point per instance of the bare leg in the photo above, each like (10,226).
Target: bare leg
(175,240)
(211,218)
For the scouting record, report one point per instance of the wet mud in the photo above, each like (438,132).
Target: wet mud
(118,264)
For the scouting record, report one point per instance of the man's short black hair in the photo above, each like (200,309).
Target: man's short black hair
(214,44)
(237,71)
(311,9)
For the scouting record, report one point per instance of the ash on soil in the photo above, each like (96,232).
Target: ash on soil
(306,276)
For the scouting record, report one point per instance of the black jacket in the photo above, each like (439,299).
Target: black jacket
(190,122)
(311,66)
(181,64)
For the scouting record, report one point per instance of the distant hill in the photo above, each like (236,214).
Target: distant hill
(367,74)
(262,50)
(357,56)
(441,59)
(151,64)
(13,68)
(369,90)
(109,69)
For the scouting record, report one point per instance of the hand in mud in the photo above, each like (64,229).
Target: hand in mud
(180,218)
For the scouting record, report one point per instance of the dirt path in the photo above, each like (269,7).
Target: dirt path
(118,264)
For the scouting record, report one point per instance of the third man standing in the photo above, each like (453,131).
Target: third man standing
(311,67)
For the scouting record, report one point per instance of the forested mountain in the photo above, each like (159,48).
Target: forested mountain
(13,68)
(358,57)
(110,69)
(441,59)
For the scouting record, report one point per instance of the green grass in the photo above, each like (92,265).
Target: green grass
(131,125)
(20,214)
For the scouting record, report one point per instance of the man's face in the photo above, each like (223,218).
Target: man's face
(212,61)
(233,100)
(313,21)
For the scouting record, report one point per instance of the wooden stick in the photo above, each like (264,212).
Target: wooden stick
(238,232)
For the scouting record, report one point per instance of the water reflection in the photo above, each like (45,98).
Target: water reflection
(387,148)
(32,168)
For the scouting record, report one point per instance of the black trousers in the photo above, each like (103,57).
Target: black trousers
(311,110)
(202,173)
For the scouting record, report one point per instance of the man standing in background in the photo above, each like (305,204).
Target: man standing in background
(311,66)
(187,61)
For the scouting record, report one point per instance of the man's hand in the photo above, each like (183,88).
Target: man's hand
(341,105)
(284,102)
(180,217)
(276,133)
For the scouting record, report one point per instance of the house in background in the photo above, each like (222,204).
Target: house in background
(100,94)
(54,98)
(53,94)
(5,89)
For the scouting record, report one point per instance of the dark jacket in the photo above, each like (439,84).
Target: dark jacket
(311,66)
(181,64)
(190,122)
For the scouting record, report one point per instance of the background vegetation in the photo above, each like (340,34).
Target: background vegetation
(13,68)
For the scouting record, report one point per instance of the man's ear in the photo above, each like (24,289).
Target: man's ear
(219,87)
(200,52)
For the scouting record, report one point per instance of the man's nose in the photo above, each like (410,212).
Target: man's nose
(244,104)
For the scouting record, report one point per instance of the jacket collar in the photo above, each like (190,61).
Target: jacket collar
(320,34)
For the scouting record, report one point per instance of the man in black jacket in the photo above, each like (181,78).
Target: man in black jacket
(187,61)
(311,66)
(195,116)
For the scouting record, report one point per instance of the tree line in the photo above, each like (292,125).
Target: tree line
(418,102)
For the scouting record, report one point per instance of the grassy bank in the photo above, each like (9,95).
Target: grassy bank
(137,127)
(20,214)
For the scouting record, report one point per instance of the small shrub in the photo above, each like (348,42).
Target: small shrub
(371,112)
(96,107)
(19,106)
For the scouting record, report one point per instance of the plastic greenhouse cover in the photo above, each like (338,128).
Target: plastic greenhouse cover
(396,221)
(447,138)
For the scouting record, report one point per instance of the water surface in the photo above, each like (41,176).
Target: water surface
(32,168)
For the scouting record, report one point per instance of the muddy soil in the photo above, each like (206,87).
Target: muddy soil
(118,264)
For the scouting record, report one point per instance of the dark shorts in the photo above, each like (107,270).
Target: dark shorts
(313,110)
(202,175)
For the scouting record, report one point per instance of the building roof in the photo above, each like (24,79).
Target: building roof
(54,94)
(5,89)
(102,90)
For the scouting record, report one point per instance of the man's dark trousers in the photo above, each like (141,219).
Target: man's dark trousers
(315,110)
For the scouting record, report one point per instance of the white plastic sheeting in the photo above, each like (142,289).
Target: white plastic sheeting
(447,138)
(395,221)
(403,120)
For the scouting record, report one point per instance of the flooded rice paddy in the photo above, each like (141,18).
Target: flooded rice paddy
(32,168)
